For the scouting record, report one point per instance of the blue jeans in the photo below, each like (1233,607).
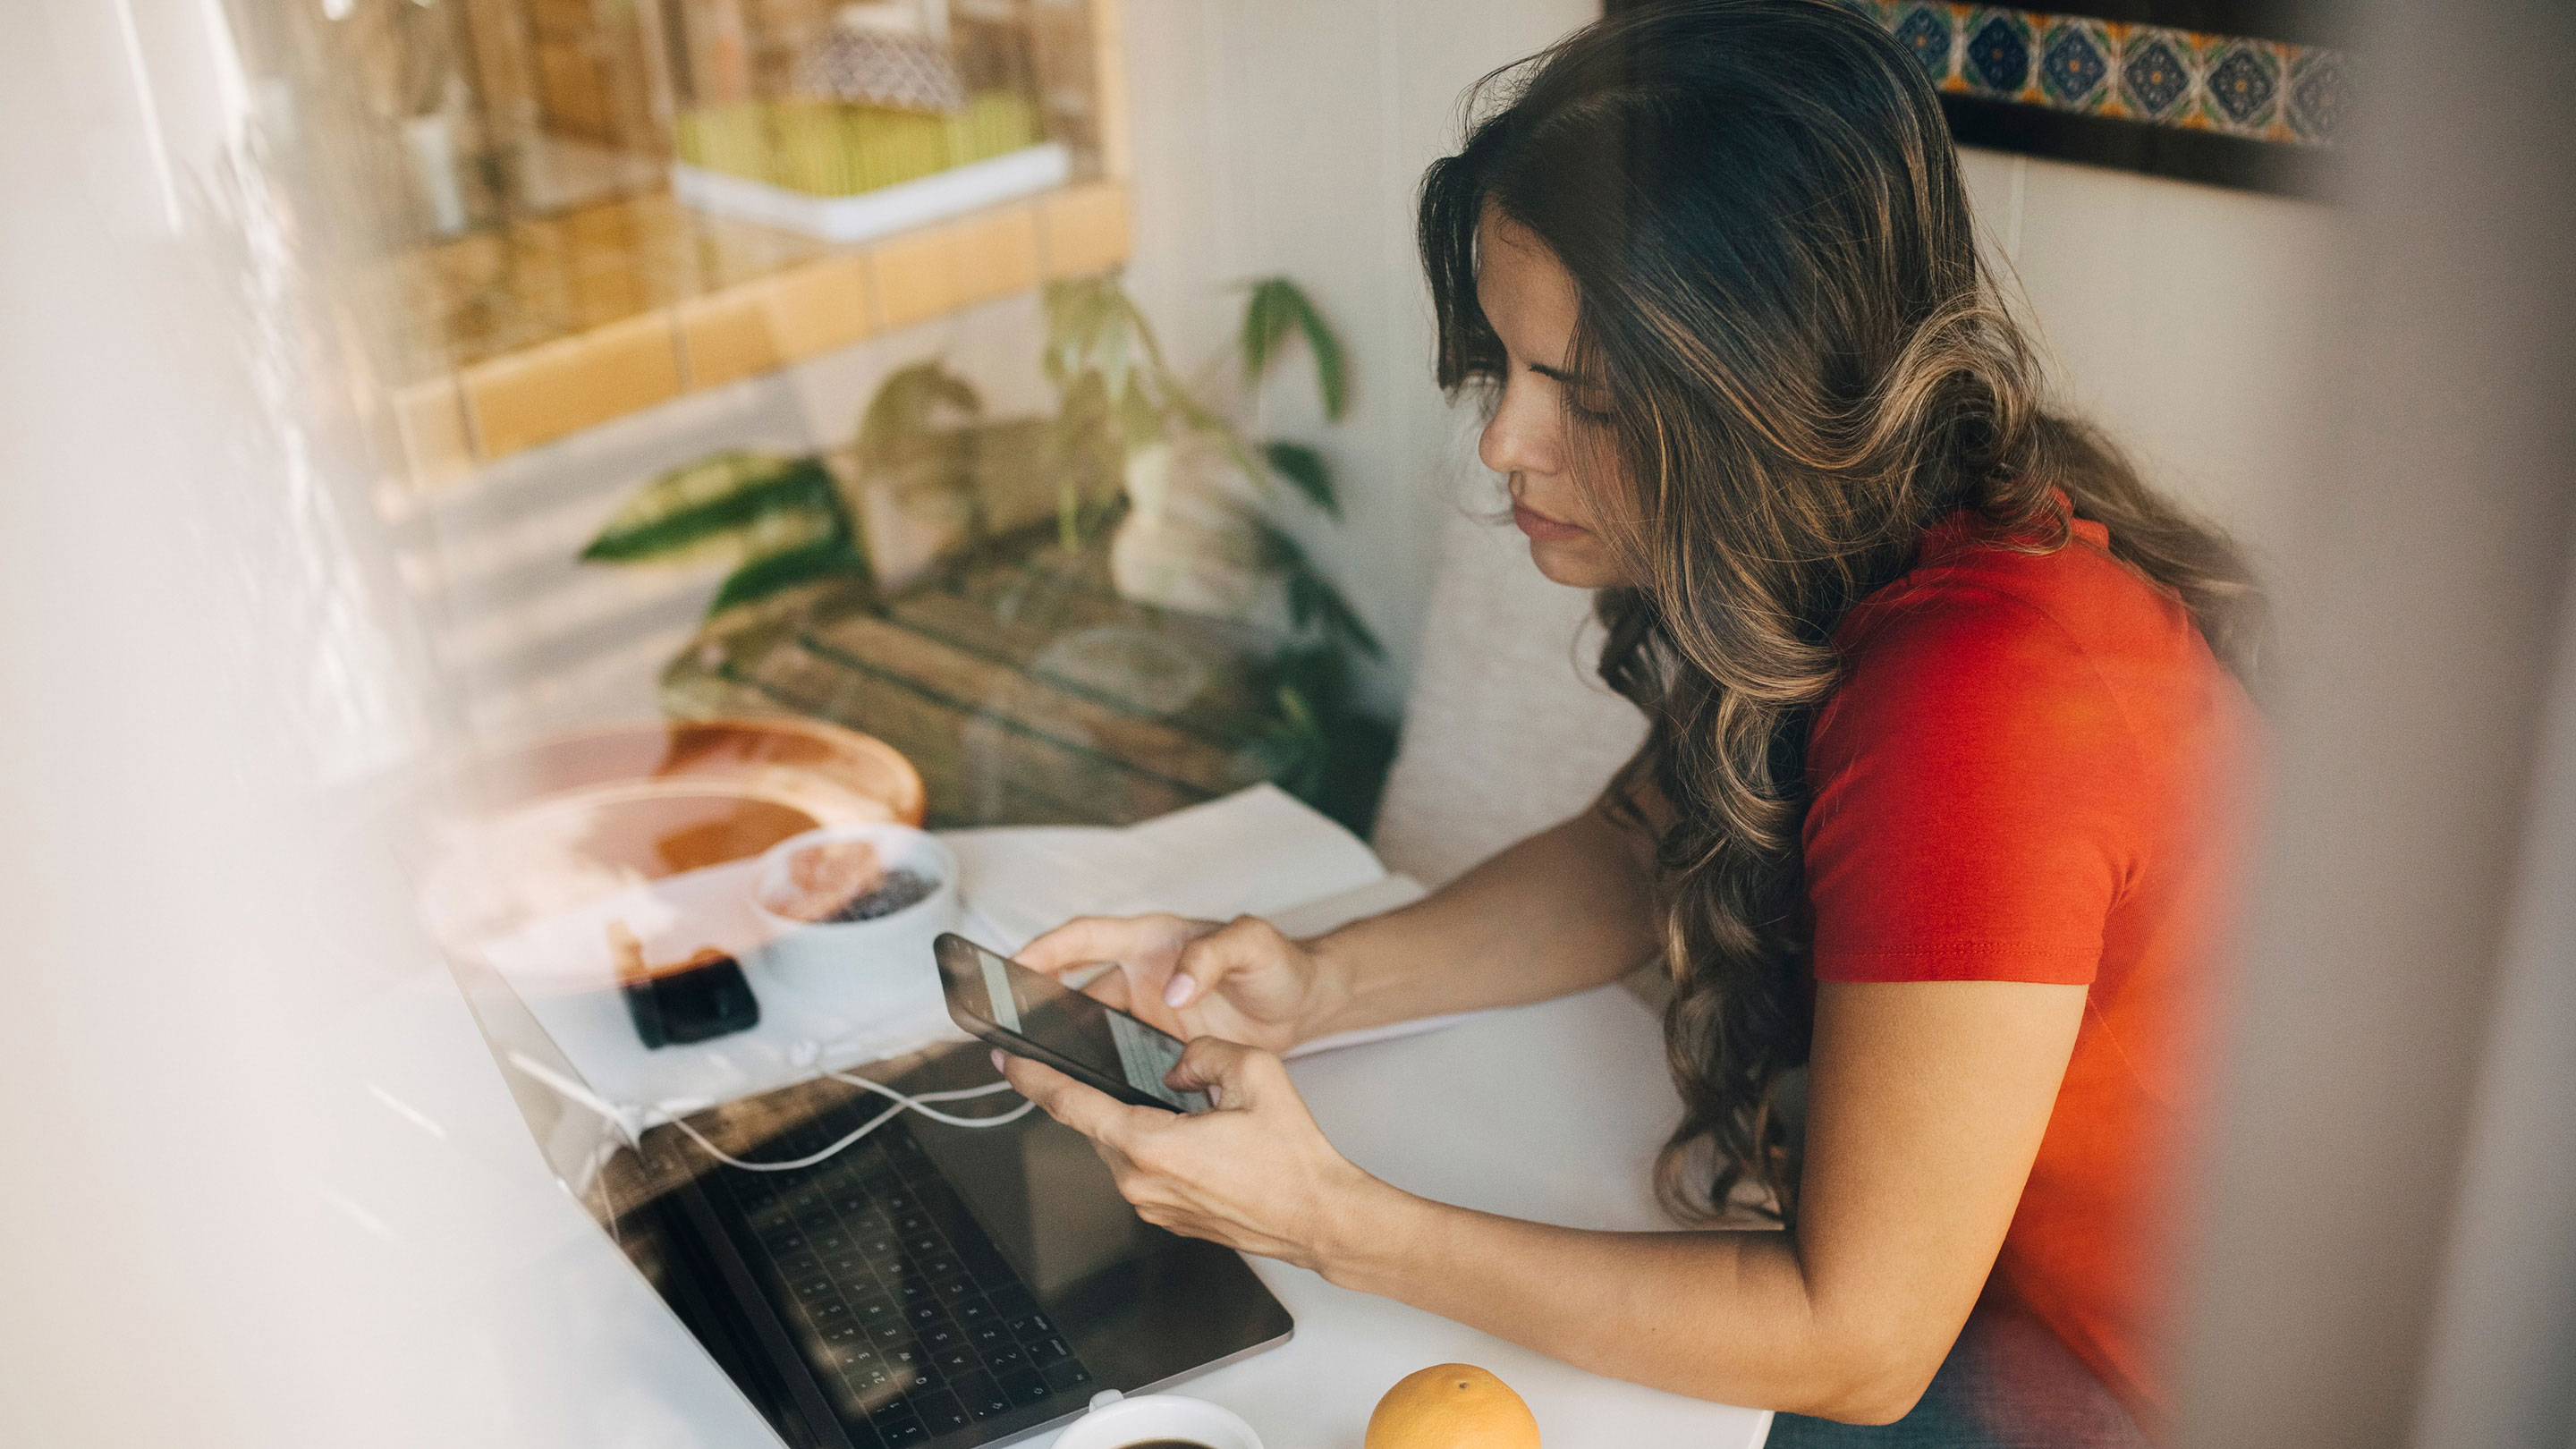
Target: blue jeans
(2007,1384)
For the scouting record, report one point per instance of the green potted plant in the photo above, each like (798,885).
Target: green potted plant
(1133,464)
(1196,532)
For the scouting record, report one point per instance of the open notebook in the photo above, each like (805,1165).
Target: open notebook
(1256,852)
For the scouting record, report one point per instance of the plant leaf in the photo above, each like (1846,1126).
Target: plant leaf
(1195,416)
(1332,373)
(1140,423)
(1223,434)
(1268,318)
(1094,328)
(1305,470)
(1069,308)
(1132,319)
(1273,548)
(913,413)
(1311,596)
(763,577)
(1314,601)
(1276,308)
(725,499)
(1079,439)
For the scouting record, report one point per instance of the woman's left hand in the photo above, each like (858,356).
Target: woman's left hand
(1255,1174)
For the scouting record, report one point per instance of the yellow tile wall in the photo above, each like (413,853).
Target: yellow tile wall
(764,325)
(625,363)
(994,253)
(728,336)
(914,281)
(822,306)
(539,395)
(936,271)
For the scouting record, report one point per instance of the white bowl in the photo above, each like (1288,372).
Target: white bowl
(1115,1421)
(877,968)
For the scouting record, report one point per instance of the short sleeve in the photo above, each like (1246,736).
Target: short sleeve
(1975,803)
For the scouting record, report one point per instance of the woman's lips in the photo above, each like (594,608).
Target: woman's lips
(1541,528)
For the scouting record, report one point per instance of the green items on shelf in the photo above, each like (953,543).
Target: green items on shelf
(836,148)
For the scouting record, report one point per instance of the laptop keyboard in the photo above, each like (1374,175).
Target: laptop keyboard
(913,1320)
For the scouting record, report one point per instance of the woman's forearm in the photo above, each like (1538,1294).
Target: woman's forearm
(1726,1316)
(1568,908)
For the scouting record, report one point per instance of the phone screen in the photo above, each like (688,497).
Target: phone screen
(1033,1007)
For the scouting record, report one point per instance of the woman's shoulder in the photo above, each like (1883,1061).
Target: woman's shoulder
(2018,739)
(1983,649)
(1971,605)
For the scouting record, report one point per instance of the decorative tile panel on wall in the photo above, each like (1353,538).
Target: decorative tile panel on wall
(2240,93)
(2232,108)
(2264,90)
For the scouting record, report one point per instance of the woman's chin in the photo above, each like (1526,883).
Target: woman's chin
(1577,563)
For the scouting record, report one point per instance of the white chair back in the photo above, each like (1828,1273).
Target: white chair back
(1508,730)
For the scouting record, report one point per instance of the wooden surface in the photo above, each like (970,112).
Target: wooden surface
(1023,688)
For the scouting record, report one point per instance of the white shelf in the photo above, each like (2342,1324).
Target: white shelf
(881,212)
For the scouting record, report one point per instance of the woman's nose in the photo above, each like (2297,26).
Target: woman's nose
(1521,436)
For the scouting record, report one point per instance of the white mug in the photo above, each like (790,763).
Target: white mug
(1116,1421)
(877,969)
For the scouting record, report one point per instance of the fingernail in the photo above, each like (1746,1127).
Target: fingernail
(1176,992)
(997,1059)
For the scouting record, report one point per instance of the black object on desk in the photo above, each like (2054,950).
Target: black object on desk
(703,997)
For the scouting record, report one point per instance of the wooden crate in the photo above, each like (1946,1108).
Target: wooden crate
(1023,688)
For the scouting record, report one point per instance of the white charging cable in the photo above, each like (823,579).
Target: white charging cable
(625,1119)
(902,1104)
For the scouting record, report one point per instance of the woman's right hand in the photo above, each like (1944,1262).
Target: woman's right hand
(1241,981)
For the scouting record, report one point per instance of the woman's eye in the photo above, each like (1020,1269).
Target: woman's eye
(1587,401)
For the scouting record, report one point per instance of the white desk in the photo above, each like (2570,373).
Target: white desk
(519,1323)
(1549,1112)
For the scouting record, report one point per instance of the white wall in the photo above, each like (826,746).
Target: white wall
(2187,319)
(1276,138)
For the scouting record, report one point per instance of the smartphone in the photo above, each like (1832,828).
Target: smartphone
(1030,1015)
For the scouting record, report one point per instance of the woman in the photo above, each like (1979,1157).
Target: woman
(1941,718)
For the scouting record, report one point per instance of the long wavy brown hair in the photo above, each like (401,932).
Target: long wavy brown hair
(1806,366)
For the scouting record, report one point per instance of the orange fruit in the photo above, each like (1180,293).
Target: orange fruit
(1451,1406)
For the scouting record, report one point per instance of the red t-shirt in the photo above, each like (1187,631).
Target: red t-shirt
(2028,774)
